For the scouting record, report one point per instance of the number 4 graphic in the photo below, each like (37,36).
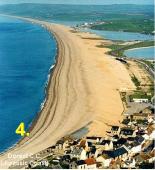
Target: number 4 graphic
(21,129)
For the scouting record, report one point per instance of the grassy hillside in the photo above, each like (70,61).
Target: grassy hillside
(142,25)
(82,13)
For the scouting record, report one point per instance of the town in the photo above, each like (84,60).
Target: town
(130,145)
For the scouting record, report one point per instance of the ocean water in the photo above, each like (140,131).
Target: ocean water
(141,53)
(27,52)
(121,36)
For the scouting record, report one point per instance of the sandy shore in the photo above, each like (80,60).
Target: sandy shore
(84,88)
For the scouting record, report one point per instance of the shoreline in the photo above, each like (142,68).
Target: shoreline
(139,58)
(46,87)
(139,48)
(35,121)
(74,99)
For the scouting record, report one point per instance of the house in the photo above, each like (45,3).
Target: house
(133,148)
(130,140)
(93,139)
(139,139)
(151,131)
(83,154)
(91,163)
(148,146)
(127,132)
(129,164)
(115,164)
(139,116)
(145,157)
(58,166)
(115,137)
(76,153)
(119,142)
(151,157)
(73,163)
(52,148)
(141,132)
(135,145)
(66,158)
(118,153)
(81,164)
(67,152)
(105,160)
(143,114)
(83,143)
(105,145)
(60,142)
(65,145)
(92,151)
(115,130)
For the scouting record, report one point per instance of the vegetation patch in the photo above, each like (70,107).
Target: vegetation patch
(135,81)
(150,64)
(143,26)
(140,95)
(117,50)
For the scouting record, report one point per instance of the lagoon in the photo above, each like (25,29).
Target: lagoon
(122,36)
(141,53)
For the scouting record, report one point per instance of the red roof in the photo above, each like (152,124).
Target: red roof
(90,161)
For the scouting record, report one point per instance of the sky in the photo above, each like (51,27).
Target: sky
(97,2)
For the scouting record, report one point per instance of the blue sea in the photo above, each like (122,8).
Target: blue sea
(141,53)
(27,53)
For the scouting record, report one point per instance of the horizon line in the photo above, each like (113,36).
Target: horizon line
(77,4)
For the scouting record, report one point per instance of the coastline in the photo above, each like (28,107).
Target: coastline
(70,108)
(139,48)
(46,87)
(34,122)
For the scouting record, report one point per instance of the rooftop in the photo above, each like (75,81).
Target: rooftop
(116,153)
(81,162)
(90,161)
(115,128)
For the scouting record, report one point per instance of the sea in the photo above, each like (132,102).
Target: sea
(27,52)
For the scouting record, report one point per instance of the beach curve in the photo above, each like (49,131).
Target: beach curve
(63,105)
(73,94)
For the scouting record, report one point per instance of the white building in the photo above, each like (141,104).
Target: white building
(104,160)
(140,100)
(83,155)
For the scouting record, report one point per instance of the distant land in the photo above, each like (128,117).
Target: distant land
(131,18)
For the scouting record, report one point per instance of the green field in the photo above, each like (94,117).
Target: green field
(140,25)
(140,95)
(118,50)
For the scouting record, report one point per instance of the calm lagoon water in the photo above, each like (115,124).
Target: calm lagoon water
(122,36)
(27,52)
(142,53)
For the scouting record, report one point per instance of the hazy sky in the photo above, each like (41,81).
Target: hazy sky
(79,1)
